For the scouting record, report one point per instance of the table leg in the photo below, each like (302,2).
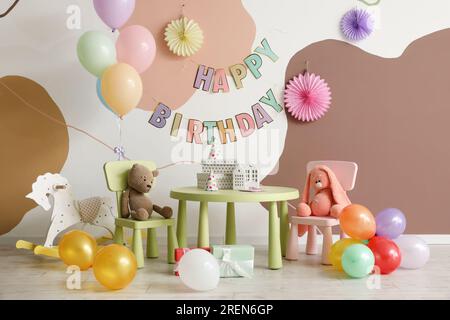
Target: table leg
(230,233)
(274,238)
(181,224)
(203,228)
(172,243)
(284,226)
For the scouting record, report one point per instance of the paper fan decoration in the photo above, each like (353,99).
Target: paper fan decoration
(357,24)
(307,97)
(184,37)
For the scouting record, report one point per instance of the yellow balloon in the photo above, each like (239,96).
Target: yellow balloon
(77,248)
(337,249)
(115,266)
(121,88)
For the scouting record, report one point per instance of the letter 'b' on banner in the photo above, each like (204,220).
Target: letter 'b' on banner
(160,115)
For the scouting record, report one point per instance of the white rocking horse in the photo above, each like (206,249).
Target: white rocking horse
(67,211)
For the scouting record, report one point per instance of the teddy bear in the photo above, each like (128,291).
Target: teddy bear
(135,202)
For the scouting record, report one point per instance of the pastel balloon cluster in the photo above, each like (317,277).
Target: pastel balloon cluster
(114,265)
(376,244)
(117,66)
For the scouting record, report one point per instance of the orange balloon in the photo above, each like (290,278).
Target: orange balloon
(121,88)
(115,266)
(358,222)
(78,248)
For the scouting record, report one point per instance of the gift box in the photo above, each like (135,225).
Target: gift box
(235,260)
(179,252)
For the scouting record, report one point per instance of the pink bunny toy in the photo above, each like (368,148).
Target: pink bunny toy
(329,198)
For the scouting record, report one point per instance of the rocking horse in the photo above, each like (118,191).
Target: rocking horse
(67,211)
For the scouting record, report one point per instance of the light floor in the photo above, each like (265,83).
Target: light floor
(25,276)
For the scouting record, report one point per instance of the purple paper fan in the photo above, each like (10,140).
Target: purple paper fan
(357,24)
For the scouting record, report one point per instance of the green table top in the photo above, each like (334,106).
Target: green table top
(268,194)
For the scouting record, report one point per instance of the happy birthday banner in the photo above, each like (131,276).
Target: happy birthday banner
(215,80)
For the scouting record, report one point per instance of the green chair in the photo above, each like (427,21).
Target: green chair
(116,173)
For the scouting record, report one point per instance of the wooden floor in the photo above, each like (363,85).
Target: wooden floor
(25,276)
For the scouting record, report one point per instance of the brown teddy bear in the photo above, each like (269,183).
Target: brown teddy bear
(135,202)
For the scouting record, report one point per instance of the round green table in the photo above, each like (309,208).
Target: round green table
(278,231)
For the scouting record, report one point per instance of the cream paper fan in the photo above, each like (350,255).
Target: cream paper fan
(184,37)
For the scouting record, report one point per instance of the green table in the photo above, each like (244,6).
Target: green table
(278,232)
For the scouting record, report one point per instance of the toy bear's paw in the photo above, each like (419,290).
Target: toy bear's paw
(140,214)
(167,212)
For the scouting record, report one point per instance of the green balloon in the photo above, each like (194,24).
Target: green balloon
(96,52)
(358,260)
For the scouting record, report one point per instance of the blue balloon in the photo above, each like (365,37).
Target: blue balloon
(100,97)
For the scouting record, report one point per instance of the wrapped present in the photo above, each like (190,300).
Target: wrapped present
(179,252)
(235,260)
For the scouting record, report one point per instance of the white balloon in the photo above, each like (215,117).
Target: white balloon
(199,270)
(414,250)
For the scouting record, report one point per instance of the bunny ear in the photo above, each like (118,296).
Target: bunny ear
(339,194)
(306,188)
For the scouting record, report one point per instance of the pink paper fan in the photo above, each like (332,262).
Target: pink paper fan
(307,97)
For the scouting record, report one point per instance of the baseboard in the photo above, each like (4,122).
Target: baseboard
(432,239)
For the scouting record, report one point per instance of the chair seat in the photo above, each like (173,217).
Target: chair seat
(315,221)
(153,222)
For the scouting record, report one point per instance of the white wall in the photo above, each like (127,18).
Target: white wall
(35,43)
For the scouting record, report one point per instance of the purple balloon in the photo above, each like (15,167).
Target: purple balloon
(391,223)
(114,12)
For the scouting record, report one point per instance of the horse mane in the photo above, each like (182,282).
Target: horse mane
(46,180)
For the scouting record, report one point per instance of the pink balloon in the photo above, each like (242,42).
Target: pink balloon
(114,13)
(136,47)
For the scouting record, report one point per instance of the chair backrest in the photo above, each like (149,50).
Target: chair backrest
(345,171)
(116,174)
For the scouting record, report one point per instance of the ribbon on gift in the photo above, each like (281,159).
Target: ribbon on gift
(177,263)
(230,267)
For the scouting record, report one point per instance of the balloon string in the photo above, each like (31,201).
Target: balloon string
(53,119)
(370,4)
(4,14)
(119,149)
